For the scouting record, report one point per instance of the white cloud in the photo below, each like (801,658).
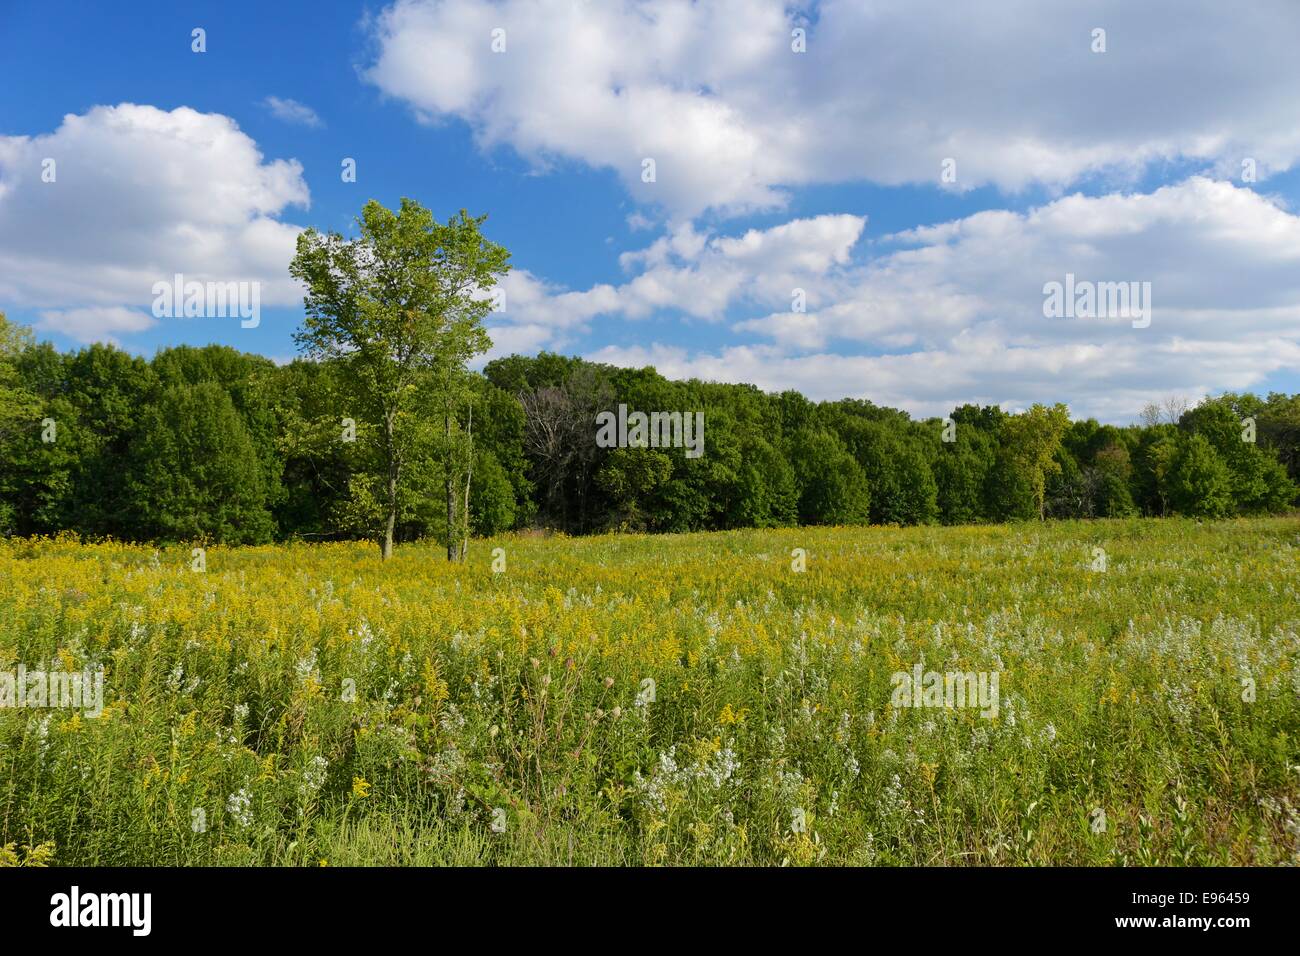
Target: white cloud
(686,271)
(953,313)
(519,339)
(95,324)
(637,222)
(139,195)
(1009,89)
(1223,263)
(291,111)
(1111,383)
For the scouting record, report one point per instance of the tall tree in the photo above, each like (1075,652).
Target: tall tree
(195,473)
(1200,484)
(1030,441)
(401,308)
(832,487)
(19,419)
(17,405)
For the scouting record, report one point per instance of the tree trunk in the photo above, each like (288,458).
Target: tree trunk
(386,548)
(450,485)
(469,474)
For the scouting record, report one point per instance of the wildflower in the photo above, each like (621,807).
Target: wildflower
(43,737)
(313,777)
(240,806)
(306,667)
(444,766)
(360,788)
(842,731)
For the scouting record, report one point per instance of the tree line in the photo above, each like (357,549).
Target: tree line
(380,432)
(210,443)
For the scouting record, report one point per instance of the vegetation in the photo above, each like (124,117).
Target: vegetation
(395,313)
(210,444)
(679,699)
(380,431)
(721,698)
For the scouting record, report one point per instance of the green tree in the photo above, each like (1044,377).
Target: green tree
(19,416)
(961,466)
(493,507)
(401,308)
(195,471)
(1279,430)
(18,406)
(108,389)
(1259,481)
(765,494)
(1030,441)
(1009,494)
(631,476)
(1112,471)
(1155,456)
(832,488)
(903,489)
(1200,484)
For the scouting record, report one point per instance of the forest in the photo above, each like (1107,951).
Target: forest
(211,444)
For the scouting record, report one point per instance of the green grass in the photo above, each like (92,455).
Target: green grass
(298,704)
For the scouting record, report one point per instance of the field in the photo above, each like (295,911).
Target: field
(668,700)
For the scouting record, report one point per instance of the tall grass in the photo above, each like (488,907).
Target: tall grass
(664,700)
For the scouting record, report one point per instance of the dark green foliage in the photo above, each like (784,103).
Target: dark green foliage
(832,488)
(493,506)
(765,493)
(196,474)
(1200,484)
(209,443)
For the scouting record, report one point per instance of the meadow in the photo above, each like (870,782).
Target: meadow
(670,699)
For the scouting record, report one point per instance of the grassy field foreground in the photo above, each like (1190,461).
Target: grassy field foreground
(665,700)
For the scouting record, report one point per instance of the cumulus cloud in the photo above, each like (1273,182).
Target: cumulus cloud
(95,324)
(692,273)
(291,111)
(1110,383)
(138,195)
(1222,263)
(952,313)
(1011,90)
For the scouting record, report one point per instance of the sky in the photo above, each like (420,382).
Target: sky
(861,199)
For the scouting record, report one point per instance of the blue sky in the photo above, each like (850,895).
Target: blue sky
(777,170)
